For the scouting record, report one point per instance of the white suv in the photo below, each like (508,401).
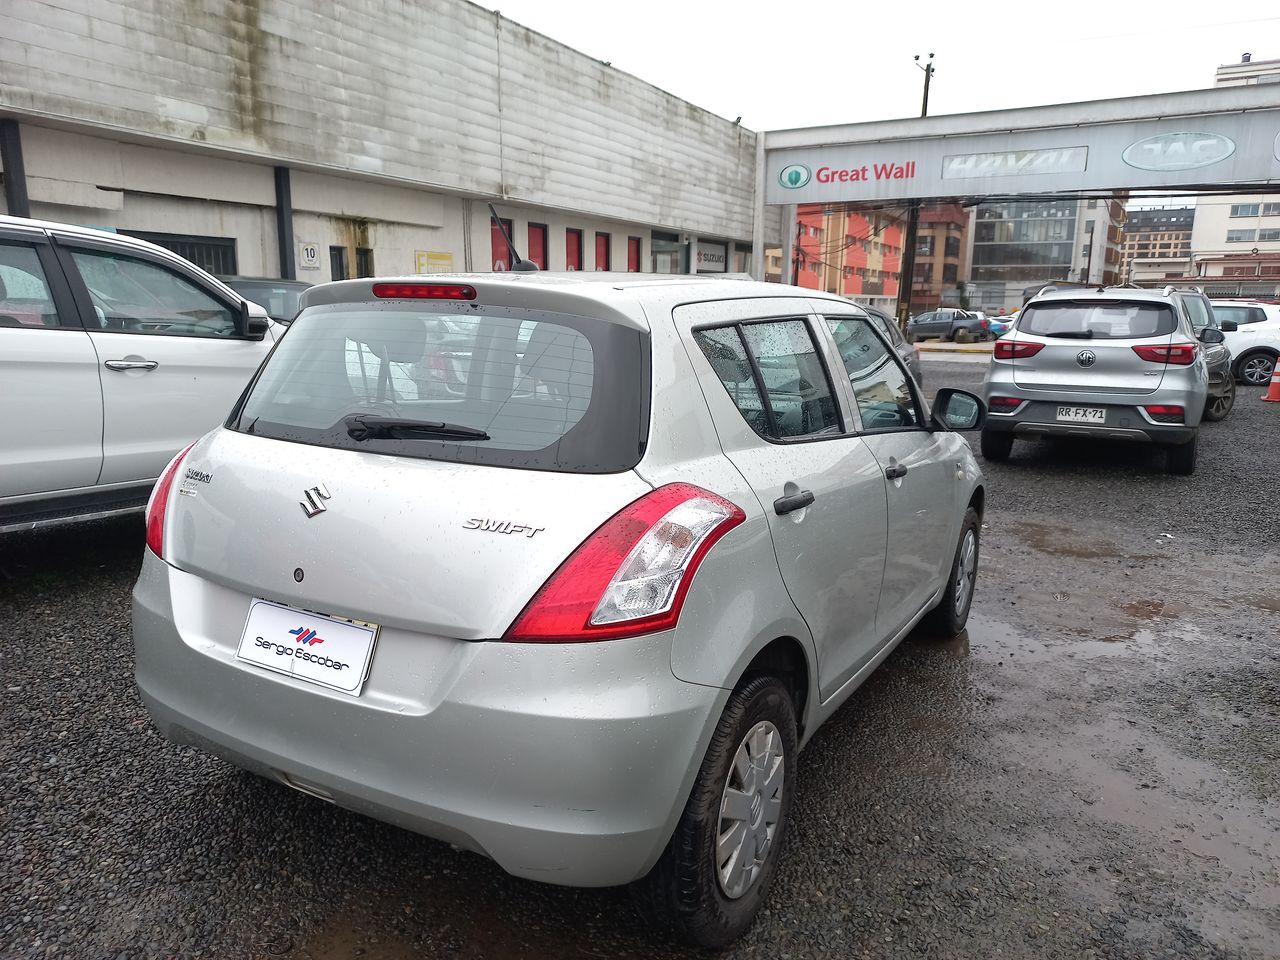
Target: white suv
(1255,343)
(114,354)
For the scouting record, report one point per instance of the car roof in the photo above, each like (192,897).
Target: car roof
(237,278)
(116,239)
(1103,293)
(566,291)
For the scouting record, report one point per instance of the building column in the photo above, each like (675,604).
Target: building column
(284,224)
(757,219)
(789,239)
(15,172)
(693,253)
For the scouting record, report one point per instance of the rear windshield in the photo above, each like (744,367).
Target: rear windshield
(1098,319)
(280,300)
(490,386)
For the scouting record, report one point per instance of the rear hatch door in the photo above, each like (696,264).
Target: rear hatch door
(1088,346)
(352,481)
(455,550)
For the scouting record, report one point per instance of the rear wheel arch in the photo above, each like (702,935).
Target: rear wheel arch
(786,659)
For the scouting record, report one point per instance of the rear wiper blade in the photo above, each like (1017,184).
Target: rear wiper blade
(1073,335)
(366,427)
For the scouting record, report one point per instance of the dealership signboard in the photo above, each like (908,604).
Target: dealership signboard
(1224,148)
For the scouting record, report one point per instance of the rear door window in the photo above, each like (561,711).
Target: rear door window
(1240,314)
(500,387)
(775,376)
(1098,320)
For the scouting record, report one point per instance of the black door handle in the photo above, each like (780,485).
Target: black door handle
(797,501)
(895,470)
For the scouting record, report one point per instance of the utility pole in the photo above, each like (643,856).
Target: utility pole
(799,254)
(907,277)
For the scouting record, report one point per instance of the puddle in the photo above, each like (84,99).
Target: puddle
(1058,542)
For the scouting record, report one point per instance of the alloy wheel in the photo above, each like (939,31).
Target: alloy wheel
(1257,370)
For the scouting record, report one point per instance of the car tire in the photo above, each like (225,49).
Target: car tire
(690,893)
(1217,408)
(951,614)
(996,445)
(1180,460)
(1256,368)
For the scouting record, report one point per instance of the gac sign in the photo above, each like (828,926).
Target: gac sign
(1178,151)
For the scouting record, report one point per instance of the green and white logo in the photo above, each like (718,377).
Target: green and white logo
(794,176)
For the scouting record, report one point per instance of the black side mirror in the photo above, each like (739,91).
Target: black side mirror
(1228,326)
(1211,335)
(957,410)
(249,326)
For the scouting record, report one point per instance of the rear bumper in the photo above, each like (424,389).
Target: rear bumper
(566,763)
(1039,419)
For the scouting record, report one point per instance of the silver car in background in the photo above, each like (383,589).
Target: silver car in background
(579,611)
(1116,363)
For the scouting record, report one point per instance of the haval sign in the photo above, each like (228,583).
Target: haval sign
(1178,151)
(1188,139)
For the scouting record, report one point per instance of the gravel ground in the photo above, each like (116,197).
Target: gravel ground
(1093,770)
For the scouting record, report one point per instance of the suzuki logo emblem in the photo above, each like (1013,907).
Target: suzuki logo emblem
(1086,358)
(315,500)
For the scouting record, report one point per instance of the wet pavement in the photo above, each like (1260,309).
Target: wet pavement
(1092,770)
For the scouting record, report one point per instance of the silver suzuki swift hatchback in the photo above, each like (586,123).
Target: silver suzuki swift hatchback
(560,569)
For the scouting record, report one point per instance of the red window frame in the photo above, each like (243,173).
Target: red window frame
(501,258)
(604,251)
(537,251)
(572,249)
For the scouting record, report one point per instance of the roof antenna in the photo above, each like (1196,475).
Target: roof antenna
(518,263)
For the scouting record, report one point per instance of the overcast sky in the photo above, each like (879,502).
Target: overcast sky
(797,63)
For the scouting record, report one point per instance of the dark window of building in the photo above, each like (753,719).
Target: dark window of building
(953,247)
(1244,209)
(604,251)
(500,254)
(337,263)
(1271,209)
(217,255)
(924,247)
(572,249)
(950,273)
(537,251)
(364,262)
(1241,236)
(1269,235)
(633,254)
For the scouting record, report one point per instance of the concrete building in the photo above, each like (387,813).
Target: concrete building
(843,250)
(1020,243)
(339,139)
(1248,72)
(941,256)
(1156,234)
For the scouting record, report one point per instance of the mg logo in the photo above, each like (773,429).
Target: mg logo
(794,176)
(1086,358)
(1178,151)
(314,502)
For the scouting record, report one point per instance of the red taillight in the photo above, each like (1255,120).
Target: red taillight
(1016,349)
(159,503)
(1003,404)
(424,291)
(1179,354)
(631,576)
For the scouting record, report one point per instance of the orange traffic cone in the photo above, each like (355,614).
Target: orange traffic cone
(1273,390)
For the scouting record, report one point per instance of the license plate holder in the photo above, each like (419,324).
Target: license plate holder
(1094,415)
(328,651)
